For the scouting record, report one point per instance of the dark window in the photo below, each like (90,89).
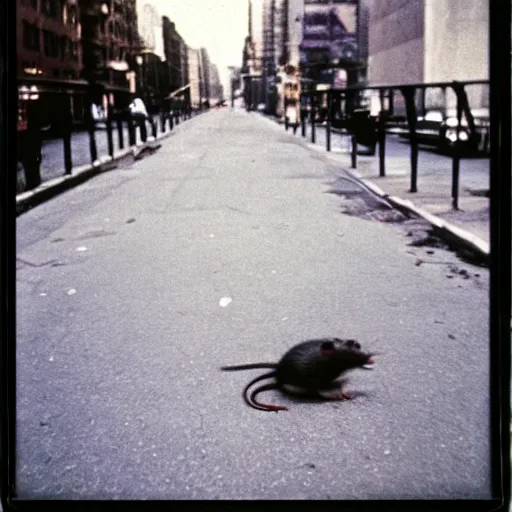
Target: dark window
(74,50)
(64,48)
(51,43)
(72,16)
(68,74)
(30,36)
(56,73)
(50,8)
(30,3)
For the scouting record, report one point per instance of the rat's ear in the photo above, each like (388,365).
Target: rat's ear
(327,348)
(352,344)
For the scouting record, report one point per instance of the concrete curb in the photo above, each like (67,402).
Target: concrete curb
(453,235)
(49,189)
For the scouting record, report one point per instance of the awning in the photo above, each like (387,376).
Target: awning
(175,93)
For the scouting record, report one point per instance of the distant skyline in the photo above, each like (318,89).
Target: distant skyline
(220,26)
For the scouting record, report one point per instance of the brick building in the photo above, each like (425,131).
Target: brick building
(109,41)
(176,54)
(48,39)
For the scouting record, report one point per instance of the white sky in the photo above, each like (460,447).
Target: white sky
(218,25)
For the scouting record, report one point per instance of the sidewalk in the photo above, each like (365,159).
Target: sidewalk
(432,201)
(52,151)
(54,179)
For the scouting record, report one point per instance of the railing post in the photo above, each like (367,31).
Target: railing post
(382,137)
(153,126)
(110,140)
(66,134)
(90,128)
(313,116)
(409,93)
(119,122)
(31,141)
(461,105)
(353,152)
(131,130)
(391,102)
(328,122)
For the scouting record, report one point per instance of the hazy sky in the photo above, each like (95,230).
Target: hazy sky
(218,25)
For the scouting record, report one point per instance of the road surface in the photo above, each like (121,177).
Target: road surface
(226,247)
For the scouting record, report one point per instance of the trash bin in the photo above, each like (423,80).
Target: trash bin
(364,128)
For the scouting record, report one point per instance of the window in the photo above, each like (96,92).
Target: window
(74,50)
(30,36)
(68,74)
(72,16)
(64,48)
(50,8)
(51,44)
(30,3)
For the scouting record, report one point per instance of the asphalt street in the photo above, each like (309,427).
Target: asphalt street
(227,247)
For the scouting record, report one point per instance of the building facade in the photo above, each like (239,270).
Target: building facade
(109,41)
(194,74)
(48,39)
(216,92)
(49,62)
(428,41)
(152,71)
(176,54)
(205,66)
(396,41)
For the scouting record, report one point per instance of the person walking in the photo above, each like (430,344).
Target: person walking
(140,115)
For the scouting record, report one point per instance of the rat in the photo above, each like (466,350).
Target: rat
(311,367)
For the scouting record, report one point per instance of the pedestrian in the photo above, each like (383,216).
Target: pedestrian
(98,115)
(140,115)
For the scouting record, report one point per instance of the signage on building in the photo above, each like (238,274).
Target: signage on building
(330,32)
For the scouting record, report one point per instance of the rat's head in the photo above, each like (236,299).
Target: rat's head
(347,351)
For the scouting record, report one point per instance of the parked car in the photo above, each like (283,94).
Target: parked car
(439,130)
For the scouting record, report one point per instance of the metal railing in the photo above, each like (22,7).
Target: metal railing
(340,107)
(97,134)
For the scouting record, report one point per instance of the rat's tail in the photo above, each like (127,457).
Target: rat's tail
(249,366)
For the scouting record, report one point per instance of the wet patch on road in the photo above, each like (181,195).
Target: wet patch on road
(359,202)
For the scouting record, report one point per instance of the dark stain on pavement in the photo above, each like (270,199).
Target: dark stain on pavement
(359,202)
